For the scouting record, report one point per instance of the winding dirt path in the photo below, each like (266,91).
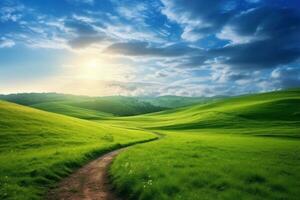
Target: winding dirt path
(90,182)
(87,183)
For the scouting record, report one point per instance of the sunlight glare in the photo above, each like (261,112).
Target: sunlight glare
(92,64)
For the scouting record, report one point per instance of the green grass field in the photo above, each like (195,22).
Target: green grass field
(93,108)
(241,148)
(279,108)
(84,107)
(245,147)
(204,165)
(70,110)
(38,148)
(178,101)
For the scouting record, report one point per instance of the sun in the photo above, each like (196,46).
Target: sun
(91,67)
(91,64)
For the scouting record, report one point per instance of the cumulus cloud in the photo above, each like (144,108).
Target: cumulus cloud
(199,18)
(6,43)
(91,2)
(258,55)
(80,27)
(11,13)
(134,12)
(85,41)
(196,48)
(84,31)
(263,36)
(227,33)
(146,49)
(286,77)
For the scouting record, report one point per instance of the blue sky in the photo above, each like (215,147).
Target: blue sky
(153,47)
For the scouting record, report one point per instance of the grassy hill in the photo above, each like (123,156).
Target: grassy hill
(100,107)
(119,106)
(36,98)
(37,148)
(83,106)
(70,110)
(178,101)
(279,109)
(244,147)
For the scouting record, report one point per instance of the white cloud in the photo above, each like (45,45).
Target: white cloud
(190,24)
(6,43)
(91,2)
(88,1)
(276,73)
(228,33)
(136,12)
(83,18)
(285,77)
(190,35)
(125,32)
(11,13)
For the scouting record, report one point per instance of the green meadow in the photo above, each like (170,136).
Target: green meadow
(86,107)
(38,148)
(205,165)
(240,148)
(245,147)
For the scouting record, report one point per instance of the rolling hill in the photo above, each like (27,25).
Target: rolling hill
(274,109)
(28,99)
(75,111)
(179,101)
(119,106)
(244,147)
(37,148)
(86,107)
(83,106)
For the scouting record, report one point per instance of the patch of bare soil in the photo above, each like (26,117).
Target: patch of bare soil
(88,183)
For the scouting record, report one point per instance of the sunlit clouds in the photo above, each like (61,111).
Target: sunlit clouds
(157,47)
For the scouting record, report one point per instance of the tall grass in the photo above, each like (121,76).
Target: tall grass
(38,148)
(240,148)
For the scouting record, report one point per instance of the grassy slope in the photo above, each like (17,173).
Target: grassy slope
(196,160)
(119,106)
(83,106)
(280,110)
(36,98)
(37,148)
(178,101)
(74,111)
(97,107)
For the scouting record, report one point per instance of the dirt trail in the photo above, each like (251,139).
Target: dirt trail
(88,183)
(91,181)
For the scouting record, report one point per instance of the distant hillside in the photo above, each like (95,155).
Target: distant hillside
(83,106)
(86,107)
(62,107)
(178,101)
(36,98)
(275,111)
(38,148)
(118,105)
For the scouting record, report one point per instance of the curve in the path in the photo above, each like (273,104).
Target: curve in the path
(89,182)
